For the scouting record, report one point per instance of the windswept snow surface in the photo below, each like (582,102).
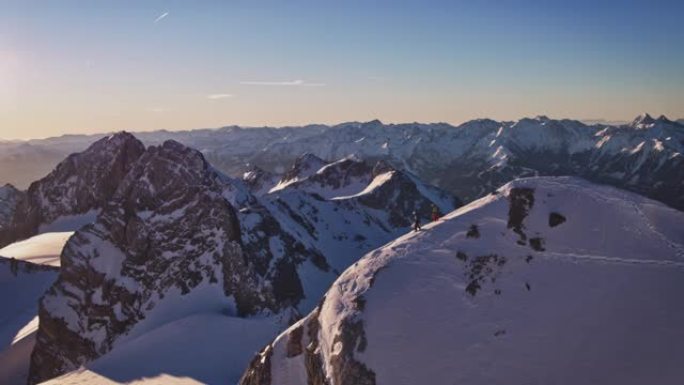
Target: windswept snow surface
(594,299)
(18,321)
(43,249)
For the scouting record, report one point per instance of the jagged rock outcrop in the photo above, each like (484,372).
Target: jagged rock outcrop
(399,195)
(9,197)
(303,167)
(342,176)
(167,230)
(81,183)
(260,181)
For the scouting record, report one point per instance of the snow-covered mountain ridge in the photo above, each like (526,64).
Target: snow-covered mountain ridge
(644,156)
(549,280)
(164,226)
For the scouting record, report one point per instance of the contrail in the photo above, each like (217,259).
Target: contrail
(296,83)
(219,96)
(163,15)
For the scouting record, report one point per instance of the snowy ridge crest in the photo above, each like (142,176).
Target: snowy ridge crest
(513,277)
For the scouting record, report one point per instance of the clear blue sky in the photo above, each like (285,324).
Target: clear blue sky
(92,66)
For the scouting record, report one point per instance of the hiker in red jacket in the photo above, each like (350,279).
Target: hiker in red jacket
(435,213)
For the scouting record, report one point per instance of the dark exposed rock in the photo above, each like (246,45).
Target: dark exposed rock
(556,219)
(473,232)
(537,244)
(286,284)
(82,182)
(521,201)
(472,287)
(480,269)
(347,370)
(342,173)
(9,198)
(382,167)
(259,181)
(313,362)
(259,370)
(304,166)
(294,342)
(167,226)
(27,267)
(399,196)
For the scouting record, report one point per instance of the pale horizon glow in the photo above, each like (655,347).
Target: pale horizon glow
(177,65)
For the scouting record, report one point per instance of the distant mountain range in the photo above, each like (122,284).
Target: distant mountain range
(645,156)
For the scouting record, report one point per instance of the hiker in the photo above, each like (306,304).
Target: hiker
(435,213)
(416,221)
(14,266)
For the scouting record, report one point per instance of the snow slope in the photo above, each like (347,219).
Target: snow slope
(18,321)
(548,281)
(203,348)
(43,249)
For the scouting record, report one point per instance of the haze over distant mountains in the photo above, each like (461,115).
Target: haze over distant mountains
(469,160)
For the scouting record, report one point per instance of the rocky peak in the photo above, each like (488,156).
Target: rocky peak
(342,173)
(167,232)
(259,181)
(82,182)
(375,123)
(642,121)
(7,189)
(381,167)
(9,196)
(304,166)
(399,194)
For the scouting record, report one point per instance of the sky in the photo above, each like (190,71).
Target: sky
(71,67)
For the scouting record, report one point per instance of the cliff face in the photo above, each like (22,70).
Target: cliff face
(9,197)
(167,231)
(82,182)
